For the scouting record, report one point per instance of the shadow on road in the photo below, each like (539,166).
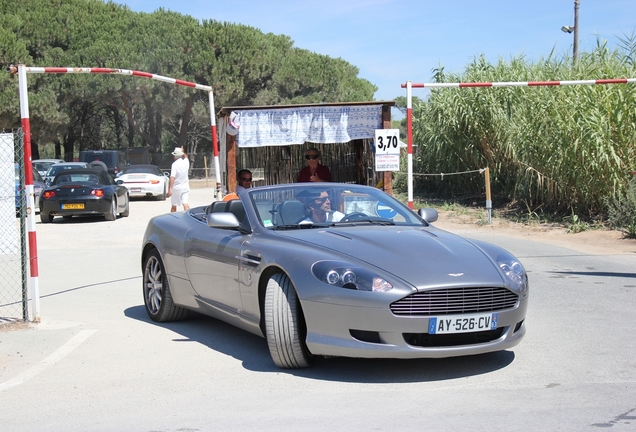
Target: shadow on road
(252,351)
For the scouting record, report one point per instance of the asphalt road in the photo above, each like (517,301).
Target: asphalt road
(97,363)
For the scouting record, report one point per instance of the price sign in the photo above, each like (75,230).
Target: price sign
(387,150)
(387,141)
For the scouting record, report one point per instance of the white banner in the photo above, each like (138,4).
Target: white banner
(9,241)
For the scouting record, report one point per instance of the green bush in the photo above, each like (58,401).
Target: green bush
(622,211)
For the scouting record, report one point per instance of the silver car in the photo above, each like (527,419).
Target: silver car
(328,269)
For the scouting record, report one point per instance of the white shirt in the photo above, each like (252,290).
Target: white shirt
(179,171)
(331,217)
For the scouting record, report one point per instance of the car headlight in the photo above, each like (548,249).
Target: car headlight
(350,277)
(515,272)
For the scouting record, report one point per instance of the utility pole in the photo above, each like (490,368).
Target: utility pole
(575,49)
(574,28)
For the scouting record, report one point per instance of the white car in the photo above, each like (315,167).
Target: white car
(43,165)
(59,167)
(144,181)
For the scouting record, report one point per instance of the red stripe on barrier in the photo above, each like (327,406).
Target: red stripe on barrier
(33,251)
(142,74)
(215,145)
(185,83)
(544,83)
(55,70)
(612,81)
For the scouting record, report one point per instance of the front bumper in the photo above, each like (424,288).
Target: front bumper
(364,332)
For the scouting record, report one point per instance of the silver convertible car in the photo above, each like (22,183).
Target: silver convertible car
(329,269)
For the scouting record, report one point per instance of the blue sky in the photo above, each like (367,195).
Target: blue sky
(392,41)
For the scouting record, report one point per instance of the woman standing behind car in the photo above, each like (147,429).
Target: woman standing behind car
(179,187)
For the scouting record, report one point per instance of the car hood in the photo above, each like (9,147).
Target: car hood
(423,257)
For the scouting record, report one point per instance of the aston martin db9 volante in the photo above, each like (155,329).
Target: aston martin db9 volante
(83,191)
(328,269)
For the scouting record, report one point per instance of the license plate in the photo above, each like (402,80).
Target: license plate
(462,323)
(72,206)
(135,189)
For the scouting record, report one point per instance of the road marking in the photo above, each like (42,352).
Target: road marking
(59,354)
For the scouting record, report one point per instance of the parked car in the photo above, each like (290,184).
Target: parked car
(115,160)
(58,167)
(43,165)
(38,186)
(83,191)
(144,181)
(381,282)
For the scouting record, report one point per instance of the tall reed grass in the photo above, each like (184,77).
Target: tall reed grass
(564,148)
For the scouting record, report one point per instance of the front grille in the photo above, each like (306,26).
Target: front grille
(455,301)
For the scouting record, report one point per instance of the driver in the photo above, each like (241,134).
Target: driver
(318,210)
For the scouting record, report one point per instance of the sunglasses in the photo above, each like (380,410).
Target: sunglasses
(321,200)
(311,157)
(246,179)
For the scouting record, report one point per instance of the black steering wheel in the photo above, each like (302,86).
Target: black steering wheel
(354,216)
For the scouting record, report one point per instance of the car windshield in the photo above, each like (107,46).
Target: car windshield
(43,166)
(301,206)
(77,178)
(58,168)
(142,170)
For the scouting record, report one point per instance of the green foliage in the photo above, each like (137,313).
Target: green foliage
(243,65)
(564,147)
(622,210)
(575,225)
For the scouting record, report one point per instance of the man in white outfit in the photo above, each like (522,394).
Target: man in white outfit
(179,187)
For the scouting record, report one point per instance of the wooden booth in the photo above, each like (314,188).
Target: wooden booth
(273,141)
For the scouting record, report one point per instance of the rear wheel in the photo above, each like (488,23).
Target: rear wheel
(112,214)
(46,217)
(162,197)
(157,296)
(285,326)
(126,211)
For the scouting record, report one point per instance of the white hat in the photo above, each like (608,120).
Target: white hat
(234,124)
(177,152)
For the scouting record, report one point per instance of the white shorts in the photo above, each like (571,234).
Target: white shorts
(179,195)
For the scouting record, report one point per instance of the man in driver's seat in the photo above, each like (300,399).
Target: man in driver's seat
(318,210)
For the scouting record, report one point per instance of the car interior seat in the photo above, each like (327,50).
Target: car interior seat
(290,212)
(216,207)
(237,209)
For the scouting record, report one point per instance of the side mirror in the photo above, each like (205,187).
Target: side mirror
(120,182)
(428,214)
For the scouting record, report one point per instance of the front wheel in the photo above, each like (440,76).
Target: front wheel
(157,295)
(285,326)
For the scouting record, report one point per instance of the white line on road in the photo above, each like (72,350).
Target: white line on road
(59,354)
